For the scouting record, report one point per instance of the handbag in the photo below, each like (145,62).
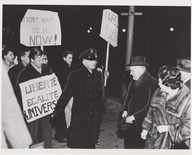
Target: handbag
(123,125)
(176,144)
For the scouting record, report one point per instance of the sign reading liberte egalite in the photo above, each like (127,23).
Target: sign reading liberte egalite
(40,96)
(40,28)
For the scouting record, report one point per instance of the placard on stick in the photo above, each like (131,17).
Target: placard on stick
(40,28)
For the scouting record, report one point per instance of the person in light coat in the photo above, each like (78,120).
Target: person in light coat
(168,118)
(14,129)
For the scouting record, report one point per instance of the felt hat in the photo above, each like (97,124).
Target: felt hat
(184,65)
(138,61)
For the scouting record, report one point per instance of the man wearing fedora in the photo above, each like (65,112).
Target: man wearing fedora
(85,85)
(137,100)
(184,66)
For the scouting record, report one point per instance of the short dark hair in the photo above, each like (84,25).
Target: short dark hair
(35,51)
(5,51)
(170,76)
(65,53)
(22,52)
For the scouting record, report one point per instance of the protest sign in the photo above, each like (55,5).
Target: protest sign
(40,96)
(40,28)
(109,27)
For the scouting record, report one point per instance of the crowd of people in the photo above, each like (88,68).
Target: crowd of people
(156,112)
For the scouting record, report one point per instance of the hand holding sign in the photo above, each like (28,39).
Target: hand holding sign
(109,32)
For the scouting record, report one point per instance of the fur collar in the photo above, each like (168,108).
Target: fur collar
(175,105)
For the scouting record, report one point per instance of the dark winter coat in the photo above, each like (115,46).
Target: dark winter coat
(88,107)
(63,73)
(137,103)
(174,112)
(13,73)
(39,129)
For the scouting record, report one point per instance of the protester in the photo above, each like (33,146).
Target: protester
(63,72)
(85,85)
(137,100)
(184,66)
(66,67)
(46,69)
(40,129)
(8,58)
(23,59)
(14,129)
(168,118)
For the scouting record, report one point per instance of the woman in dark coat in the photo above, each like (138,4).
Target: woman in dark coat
(85,85)
(168,118)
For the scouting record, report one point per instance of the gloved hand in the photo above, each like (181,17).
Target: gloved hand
(130,119)
(124,114)
(144,134)
(55,116)
(123,125)
(162,128)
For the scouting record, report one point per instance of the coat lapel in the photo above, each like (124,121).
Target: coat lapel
(176,105)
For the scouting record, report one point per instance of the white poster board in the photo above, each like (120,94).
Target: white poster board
(40,96)
(40,28)
(109,27)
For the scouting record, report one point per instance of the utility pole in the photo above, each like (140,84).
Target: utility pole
(130,31)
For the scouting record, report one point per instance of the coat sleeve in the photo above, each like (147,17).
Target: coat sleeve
(125,104)
(66,94)
(13,125)
(147,122)
(185,124)
(142,102)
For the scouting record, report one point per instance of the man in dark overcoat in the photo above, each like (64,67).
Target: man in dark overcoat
(85,85)
(40,129)
(137,100)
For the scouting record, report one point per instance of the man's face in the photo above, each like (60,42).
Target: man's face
(68,59)
(90,64)
(10,56)
(25,58)
(136,72)
(45,59)
(38,61)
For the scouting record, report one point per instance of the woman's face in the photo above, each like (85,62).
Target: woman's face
(68,59)
(163,87)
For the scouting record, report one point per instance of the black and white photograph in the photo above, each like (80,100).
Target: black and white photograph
(96,77)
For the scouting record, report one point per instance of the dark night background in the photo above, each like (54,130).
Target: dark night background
(152,36)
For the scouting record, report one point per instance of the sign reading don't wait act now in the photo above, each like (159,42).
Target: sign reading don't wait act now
(40,28)
(40,96)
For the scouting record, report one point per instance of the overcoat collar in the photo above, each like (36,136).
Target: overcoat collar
(175,105)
